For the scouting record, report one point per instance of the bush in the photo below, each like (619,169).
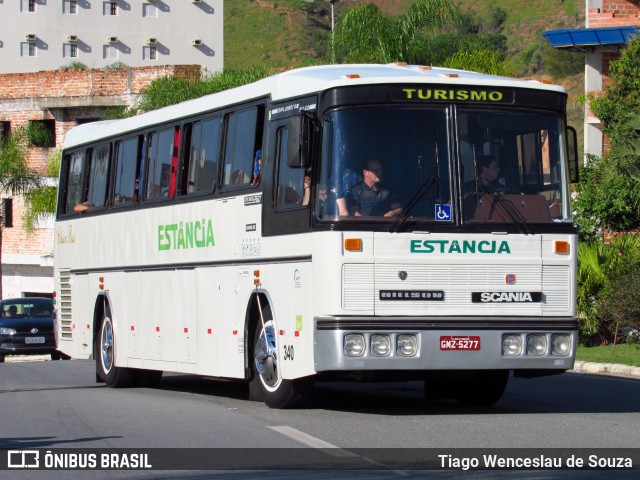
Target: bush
(619,301)
(608,277)
(603,201)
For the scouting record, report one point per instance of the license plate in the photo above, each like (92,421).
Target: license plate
(34,340)
(460,343)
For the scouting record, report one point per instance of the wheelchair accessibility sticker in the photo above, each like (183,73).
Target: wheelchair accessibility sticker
(443,213)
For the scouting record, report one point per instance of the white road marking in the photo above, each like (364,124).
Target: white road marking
(328,448)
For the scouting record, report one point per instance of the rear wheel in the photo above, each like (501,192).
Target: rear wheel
(55,355)
(114,377)
(1,358)
(267,382)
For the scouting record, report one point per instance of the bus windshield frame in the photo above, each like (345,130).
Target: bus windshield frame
(414,165)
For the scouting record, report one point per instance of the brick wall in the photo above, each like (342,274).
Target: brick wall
(615,13)
(24,96)
(88,82)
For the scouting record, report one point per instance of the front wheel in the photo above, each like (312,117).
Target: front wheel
(267,382)
(114,377)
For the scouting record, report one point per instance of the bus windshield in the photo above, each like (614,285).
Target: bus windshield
(376,159)
(397,164)
(512,167)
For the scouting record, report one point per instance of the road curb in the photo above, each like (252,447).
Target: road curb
(614,369)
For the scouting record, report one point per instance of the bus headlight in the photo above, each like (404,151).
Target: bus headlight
(512,345)
(536,345)
(407,345)
(354,345)
(560,345)
(380,345)
(7,331)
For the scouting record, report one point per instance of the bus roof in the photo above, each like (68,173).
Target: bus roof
(297,83)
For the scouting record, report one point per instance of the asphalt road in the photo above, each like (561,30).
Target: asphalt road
(51,405)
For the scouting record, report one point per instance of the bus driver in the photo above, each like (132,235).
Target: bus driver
(370,197)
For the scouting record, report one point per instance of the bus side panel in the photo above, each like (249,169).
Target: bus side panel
(219,323)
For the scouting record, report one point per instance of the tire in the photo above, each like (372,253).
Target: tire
(56,355)
(484,387)
(1,358)
(114,377)
(267,383)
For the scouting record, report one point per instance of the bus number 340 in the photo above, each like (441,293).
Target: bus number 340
(288,352)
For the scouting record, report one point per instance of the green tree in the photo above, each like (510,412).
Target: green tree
(431,32)
(618,108)
(16,177)
(365,35)
(40,202)
(170,90)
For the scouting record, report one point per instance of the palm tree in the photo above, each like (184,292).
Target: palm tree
(16,177)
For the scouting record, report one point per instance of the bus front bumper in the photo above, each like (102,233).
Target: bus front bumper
(444,343)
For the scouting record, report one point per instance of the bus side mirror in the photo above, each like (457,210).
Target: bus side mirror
(572,154)
(299,140)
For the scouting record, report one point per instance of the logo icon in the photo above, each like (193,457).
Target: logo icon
(510,279)
(23,458)
(402,275)
(34,330)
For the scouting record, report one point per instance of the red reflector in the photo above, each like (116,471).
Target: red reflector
(281,332)
(73,326)
(297,334)
(235,332)
(132,328)
(157,329)
(209,331)
(186,330)
(88,327)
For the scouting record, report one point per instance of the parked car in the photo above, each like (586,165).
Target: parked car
(26,327)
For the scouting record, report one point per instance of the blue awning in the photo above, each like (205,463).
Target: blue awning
(580,38)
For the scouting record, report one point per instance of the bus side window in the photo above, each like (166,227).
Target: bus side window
(200,168)
(161,163)
(243,139)
(99,177)
(127,175)
(290,185)
(74,179)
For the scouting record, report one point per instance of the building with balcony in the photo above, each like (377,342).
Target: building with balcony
(47,34)
(610,24)
(125,44)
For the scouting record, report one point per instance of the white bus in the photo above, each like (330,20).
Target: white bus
(402,222)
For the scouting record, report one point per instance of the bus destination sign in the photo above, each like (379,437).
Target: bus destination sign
(440,93)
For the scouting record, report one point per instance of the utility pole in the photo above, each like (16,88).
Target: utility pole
(333,51)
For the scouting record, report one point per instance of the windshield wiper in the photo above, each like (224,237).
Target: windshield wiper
(508,207)
(404,214)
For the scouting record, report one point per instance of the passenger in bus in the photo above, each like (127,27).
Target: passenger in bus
(257,168)
(370,197)
(487,172)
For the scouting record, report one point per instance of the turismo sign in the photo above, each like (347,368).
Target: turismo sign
(442,93)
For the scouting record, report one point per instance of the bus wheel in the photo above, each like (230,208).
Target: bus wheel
(484,387)
(267,378)
(114,377)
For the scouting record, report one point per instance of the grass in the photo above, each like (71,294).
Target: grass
(625,354)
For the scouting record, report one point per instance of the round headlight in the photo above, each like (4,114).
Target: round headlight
(536,345)
(407,345)
(380,345)
(354,345)
(560,345)
(512,345)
